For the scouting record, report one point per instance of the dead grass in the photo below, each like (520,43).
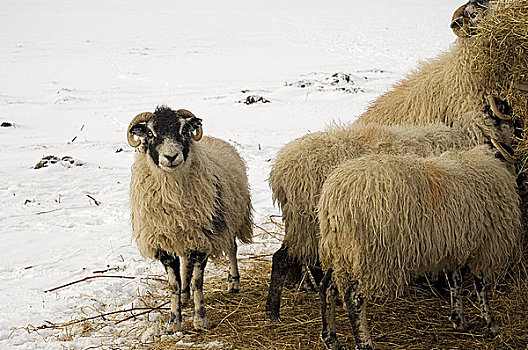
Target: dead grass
(501,48)
(418,320)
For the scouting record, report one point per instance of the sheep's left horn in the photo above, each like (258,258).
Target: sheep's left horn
(509,158)
(459,23)
(520,86)
(495,109)
(188,114)
(198,135)
(141,117)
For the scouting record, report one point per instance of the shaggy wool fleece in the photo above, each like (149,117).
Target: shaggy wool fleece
(302,166)
(443,89)
(174,211)
(386,219)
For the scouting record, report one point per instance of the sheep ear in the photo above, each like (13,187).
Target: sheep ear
(140,130)
(195,123)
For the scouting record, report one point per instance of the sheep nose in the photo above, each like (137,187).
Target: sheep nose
(170,158)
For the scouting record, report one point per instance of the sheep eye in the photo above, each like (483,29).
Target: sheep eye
(150,134)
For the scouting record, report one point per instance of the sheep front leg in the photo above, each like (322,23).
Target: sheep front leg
(200,317)
(454,279)
(282,263)
(172,266)
(482,295)
(187,269)
(328,333)
(233,279)
(357,312)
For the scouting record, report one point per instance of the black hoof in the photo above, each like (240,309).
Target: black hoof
(273,316)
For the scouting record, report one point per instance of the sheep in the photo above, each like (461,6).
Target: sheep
(451,89)
(301,167)
(386,219)
(188,199)
(445,88)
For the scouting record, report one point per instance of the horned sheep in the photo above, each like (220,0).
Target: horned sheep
(457,81)
(189,199)
(452,88)
(386,219)
(301,167)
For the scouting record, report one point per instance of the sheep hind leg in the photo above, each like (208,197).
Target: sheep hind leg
(454,279)
(328,295)
(317,273)
(172,266)
(282,263)
(233,279)
(199,262)
(357,312)
(482,295)
(186,272)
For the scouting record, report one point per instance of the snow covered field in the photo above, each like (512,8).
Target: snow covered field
(74,73)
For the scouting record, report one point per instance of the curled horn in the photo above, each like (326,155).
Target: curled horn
(141,117)
(461,29)
(509,158)
(520,86)
(188,114)
(495,109)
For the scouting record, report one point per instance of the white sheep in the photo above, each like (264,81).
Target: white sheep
(302,166)
(454,88)
(189,199)
(387,219)
(457,81)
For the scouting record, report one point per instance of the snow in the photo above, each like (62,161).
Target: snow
(74,73)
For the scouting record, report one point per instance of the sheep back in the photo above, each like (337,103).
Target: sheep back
(176,212)
(301,167)
(440,90)
(385,219)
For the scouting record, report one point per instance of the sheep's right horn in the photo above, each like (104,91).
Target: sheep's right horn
(141,117)
(509,158)
(495,109)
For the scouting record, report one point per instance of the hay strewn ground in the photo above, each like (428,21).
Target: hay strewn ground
(416,321)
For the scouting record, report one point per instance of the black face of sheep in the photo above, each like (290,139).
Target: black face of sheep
(165,135)
(466,16)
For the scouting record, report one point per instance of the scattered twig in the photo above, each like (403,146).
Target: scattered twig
(231,313)
(272,234)
(106,270)
(102,316)
(148,311)
(95,200)
(86,279)
(51,211)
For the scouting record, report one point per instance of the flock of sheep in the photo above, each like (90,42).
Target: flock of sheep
(425,181)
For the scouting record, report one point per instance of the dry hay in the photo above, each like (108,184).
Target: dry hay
(418,320)
(501,55)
